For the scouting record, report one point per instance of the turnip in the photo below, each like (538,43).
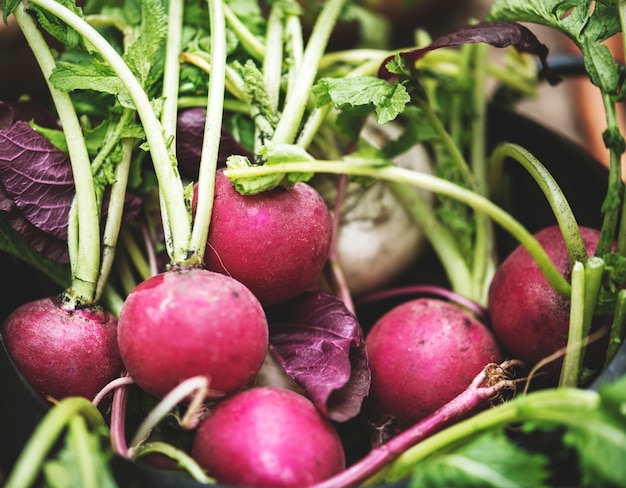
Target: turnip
(188,322)
(268,437)
(377,239)
(276,243)
(63,352)
(528,316)
(422,354)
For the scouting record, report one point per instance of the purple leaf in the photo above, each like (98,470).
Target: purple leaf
(37,177)
(189,136)
(320,344)
(496,33)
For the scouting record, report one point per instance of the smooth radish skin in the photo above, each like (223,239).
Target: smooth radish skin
(422,354)
(190,322)
(276,242)
(268,437)
(529,318)
(62,352)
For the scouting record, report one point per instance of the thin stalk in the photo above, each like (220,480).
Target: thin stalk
(86,262)
(563,213)
(616,334)
(441,240)
(212,130)
(171,73)
(295,104)
(175,211)
(572,359)
(79,439)
(615,192)
(273,61)
(253,46)
(427,182)
(484,264)
(114,217)
(182,459)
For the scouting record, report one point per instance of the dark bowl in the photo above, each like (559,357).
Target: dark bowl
(583,180)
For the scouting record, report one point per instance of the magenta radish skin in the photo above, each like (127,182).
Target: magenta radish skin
(276,242)
(62,352)
(192,322)
(529,318)
(423,353)
(268,437)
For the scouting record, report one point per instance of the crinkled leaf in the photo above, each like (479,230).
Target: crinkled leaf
(37,177)
(496,33)
(93,75)
(388,99)
(490,460)
(320,344)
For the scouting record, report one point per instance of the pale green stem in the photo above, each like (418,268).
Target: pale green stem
(273,61)
(212,130)
(182,459)
(79,438)
(171,74)
(251,43)
(114,216)
(86,262)
(572,358)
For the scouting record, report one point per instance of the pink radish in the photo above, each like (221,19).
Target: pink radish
(276,242)
(189,322)
(422,354)
(63,352)
(268,437)
(530,319)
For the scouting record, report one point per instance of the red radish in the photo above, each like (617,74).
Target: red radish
(276,242)
(529,318)
(63,352)
(268,437)
(189,322)
(422,354)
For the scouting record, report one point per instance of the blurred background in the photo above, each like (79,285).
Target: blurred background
(572,108)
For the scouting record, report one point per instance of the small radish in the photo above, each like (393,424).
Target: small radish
(189,322)
(422,354)
(63,351)
(276,242)
(268,437)
(530,319)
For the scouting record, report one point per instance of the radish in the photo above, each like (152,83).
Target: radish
(188,322)
(268,437)
(528,316)
(276,242)
(422,354)
(63,351)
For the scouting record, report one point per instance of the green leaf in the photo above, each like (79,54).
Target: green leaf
(388,99)
(92,75)
(63,471)
(600,65)
(490,460)
(143,53)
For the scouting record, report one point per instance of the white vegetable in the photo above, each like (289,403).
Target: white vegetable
(377,239)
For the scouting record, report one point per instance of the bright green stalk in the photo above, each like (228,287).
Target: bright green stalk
(86,261)
(427,182)
(572,358)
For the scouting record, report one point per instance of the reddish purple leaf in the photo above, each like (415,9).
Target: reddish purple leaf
(37,177)
(496,33)
(320,344)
